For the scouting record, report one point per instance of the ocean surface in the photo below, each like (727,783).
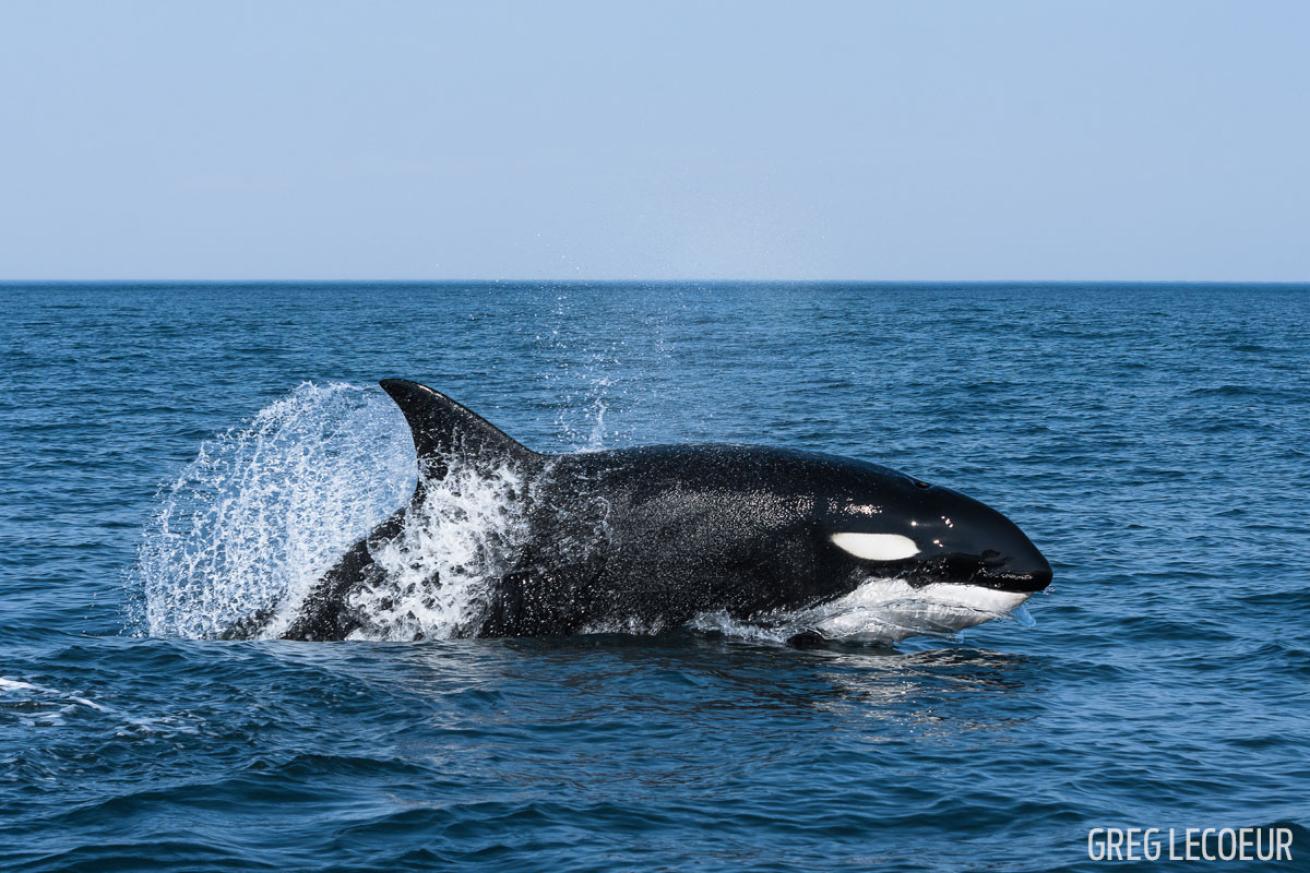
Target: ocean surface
(171,455)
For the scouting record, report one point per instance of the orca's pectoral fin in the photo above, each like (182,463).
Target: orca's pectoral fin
(444,430)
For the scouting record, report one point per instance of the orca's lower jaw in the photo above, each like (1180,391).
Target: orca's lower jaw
(942,596)
(1019,577)
(884,610)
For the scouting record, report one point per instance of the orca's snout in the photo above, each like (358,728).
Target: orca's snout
(1003,557)
(1026,573)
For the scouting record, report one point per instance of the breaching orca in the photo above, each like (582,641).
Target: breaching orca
(654,537)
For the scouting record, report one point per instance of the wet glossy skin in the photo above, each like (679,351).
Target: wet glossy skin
(748,530)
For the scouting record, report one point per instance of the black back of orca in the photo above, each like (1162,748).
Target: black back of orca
(686,529)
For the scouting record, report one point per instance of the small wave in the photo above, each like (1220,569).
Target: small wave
(39,706)
(1233,390)
(39,692)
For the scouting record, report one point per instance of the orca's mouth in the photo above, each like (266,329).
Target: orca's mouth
(1018,583)
(1026,577)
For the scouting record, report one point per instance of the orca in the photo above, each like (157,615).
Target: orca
(651,538)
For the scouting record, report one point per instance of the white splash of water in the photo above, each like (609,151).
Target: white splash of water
(15,686)
(880,612)
(583,379)
(598,392)
(41,706)
(630,625)
(265,509)
(38,706)
(439,571)
(586,393)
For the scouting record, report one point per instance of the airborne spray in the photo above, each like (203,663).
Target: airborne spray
(251,525)
(266,508)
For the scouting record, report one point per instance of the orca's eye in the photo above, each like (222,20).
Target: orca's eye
(876,546)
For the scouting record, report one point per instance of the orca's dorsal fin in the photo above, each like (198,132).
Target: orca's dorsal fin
(443,430)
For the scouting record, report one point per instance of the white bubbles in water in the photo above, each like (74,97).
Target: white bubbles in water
(253,522)
(438,572)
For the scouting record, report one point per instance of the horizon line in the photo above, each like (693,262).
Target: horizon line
(660,281)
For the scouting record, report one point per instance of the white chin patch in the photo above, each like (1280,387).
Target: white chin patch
(876,546)
(887,610)
(880,611)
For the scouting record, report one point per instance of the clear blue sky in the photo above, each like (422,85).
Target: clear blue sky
(915,140)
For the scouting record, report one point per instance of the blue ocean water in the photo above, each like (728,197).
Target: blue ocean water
(1154,441)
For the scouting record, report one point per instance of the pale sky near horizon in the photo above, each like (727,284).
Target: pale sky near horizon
(807,140)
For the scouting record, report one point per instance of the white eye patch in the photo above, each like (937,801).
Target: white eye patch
(876,546)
